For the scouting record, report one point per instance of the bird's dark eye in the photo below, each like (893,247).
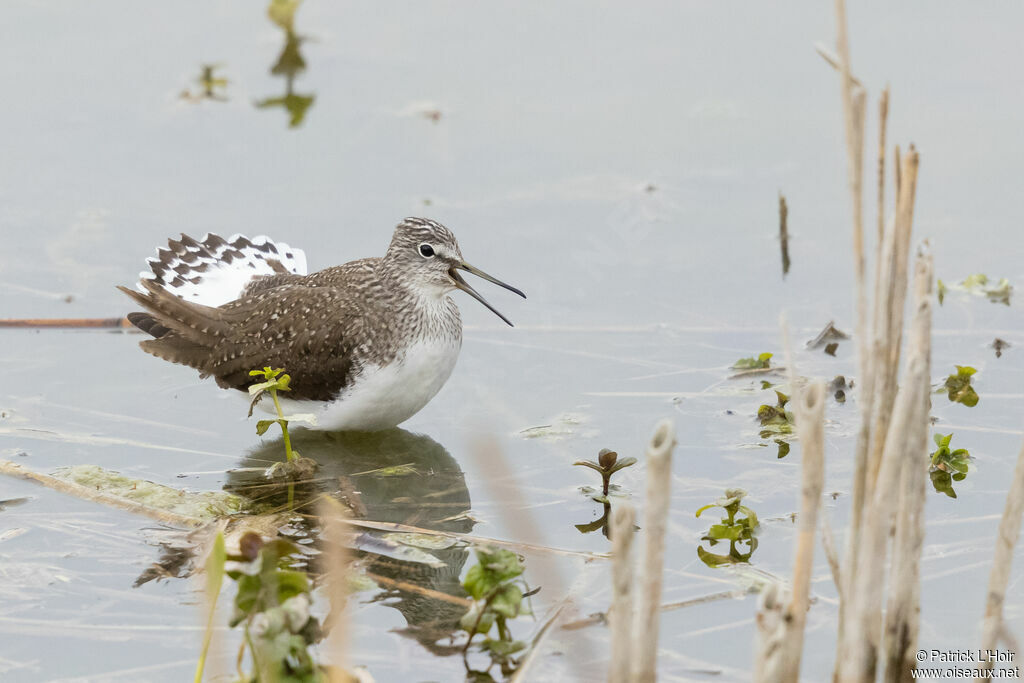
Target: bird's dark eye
(426,251)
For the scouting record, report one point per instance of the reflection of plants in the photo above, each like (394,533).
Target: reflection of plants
(958,386)
(947,465)
(738,530)
(290,64)
(607,464)
(274,605)
(600,524)
(494,584)
(212,86)
(978,284)
(762,362)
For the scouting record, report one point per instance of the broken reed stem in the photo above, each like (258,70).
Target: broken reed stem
(883,116)
(66,322)
(810,427)
(853,100)
(336,539)
(784,233)
(903,607)
(781,626)
(1002,559)
(889,310)
(659,480)
(861,628)
(621,612)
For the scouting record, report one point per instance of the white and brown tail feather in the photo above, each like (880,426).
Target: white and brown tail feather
(215,270)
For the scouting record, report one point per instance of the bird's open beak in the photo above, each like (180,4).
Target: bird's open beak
(464,286)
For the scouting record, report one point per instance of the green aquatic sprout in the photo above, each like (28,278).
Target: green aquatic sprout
(775,420)
(739,526)
(498,595)
(607,464)
(762,362)
(958,386)
(947,465)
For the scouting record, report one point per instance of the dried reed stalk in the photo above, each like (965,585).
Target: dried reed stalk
(782,618)
(861,629)
(1002,558)
(883,116)
(65,322)
(621,613)
(903,607)
(659,479)
(853,100)
(892,288)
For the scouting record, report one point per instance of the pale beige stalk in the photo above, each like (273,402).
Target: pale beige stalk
(621,613)
(656,506)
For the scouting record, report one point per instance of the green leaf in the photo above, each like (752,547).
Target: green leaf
(706,507)
(942,482)
(504,648)
(470,618)
(592,465)
(761,362)
(262,386)
(263,425)
(941,291)
(506,601)
(622,464)
(721,532)
(713,559)
(477,582)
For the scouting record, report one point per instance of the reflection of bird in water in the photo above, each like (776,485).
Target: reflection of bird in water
(390,476)
(367,344)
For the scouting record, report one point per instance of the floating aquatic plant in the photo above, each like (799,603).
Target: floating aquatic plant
(958,386)
(738,527)
(978,284)
(775,419)
(607,464)
(947,465)
(762,362)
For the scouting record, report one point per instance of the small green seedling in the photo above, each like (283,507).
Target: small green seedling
(734,528)
(958,386)
(607,464)
(775,420)
(762,362)
(498,595)
(947,465)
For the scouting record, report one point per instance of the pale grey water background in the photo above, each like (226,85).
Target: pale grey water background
(554,122)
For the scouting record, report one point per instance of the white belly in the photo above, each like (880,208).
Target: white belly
(384,396)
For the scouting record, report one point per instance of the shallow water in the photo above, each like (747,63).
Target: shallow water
(622,167)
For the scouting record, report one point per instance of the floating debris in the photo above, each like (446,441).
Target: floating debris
(831,347)
(999,345)
(828,335)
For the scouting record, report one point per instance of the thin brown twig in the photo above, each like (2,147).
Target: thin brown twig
(66,322)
